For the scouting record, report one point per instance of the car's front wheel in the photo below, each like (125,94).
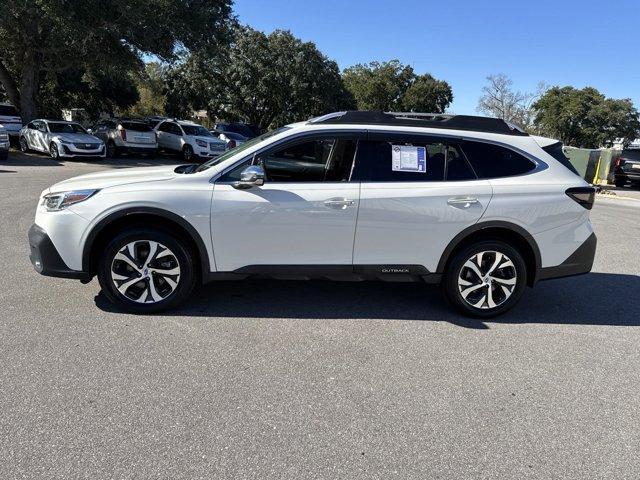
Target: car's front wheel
(485,279)
(187,154)
(53,150)
(146,270)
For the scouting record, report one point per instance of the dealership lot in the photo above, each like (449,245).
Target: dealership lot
(315,379)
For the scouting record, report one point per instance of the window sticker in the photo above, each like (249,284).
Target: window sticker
(408,159)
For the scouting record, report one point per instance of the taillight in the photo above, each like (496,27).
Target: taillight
(585,196)
(232,144)
(123,134)
(619,162)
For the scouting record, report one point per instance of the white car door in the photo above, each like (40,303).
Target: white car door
(40,136)
(408,214)
(303,216)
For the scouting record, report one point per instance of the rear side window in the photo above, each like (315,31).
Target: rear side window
(493,161)
(8,111)
(631,155)
(377,160)
(458,168)
(136,126)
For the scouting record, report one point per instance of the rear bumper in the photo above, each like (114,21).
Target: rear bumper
(578,263)
(151,148)
(45,258)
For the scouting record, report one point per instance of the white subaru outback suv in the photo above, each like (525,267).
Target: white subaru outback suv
(469,202)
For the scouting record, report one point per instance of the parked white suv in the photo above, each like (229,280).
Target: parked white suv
(60,139)
(191,140)
(10,120)
(469,202)
(126,136)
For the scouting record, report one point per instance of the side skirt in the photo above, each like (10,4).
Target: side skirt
(349,273)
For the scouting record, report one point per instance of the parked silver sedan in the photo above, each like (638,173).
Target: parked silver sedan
(60,139)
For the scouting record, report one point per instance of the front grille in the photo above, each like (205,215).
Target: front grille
(86,146)
(4,137)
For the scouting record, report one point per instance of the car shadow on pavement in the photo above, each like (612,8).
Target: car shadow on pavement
(594,299)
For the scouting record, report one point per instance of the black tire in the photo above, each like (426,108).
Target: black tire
(180,257)
(187,154)
(452,285)
(53,151)
(620,182)
(24,146)
(112,150)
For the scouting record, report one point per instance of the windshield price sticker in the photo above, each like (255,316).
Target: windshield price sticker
(408,159)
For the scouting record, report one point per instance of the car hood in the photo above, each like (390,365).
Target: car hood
(114,178)
(77,137)
(207,139)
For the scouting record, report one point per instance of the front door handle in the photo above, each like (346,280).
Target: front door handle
(339,203)
(464,202)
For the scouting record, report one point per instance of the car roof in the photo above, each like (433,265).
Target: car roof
(417,119)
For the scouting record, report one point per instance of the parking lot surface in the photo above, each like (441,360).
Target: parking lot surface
(274,379)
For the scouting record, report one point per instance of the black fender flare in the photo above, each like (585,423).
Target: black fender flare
(190,229)
(493,224)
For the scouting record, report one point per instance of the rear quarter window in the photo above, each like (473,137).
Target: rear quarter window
(494,161)
(136,126)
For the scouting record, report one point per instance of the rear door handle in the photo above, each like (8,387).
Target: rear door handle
(464,202)
(339,203)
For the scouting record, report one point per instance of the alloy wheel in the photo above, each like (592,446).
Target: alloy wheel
(145,271)
(487,279)
(24,147)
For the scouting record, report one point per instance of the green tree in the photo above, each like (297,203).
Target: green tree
(585,117)
(42,37)
(266,80)
(392,86)
(151,89)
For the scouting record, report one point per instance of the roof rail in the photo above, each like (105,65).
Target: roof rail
(427,120)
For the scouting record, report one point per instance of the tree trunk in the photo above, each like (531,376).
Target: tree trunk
(9,85)
(29,83)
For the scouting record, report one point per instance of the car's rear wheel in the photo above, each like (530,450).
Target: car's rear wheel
(112,149)
(146,270)
(485,279)
(24,146)
(620,182)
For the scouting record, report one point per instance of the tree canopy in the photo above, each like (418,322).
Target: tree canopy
(585,117)
(500,100)
(392,86)
(266,80)
(43,37)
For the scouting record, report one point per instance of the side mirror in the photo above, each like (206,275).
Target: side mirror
(252,176)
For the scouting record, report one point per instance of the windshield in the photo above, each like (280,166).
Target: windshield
(196,130)
(240,148)
(55,127)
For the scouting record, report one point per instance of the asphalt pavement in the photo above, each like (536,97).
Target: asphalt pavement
(305,380)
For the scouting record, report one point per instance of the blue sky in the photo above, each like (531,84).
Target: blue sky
(562,42)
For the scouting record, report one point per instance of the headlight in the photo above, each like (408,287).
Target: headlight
(201,143)
(54,202)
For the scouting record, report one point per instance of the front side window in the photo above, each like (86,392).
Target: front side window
(302,162)
(400,159)
(494,161)
(318,160)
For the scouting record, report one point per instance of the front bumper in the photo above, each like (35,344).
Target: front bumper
(68,151)
(45,258)
(578,263)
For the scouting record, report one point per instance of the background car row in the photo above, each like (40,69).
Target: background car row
(117,136)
